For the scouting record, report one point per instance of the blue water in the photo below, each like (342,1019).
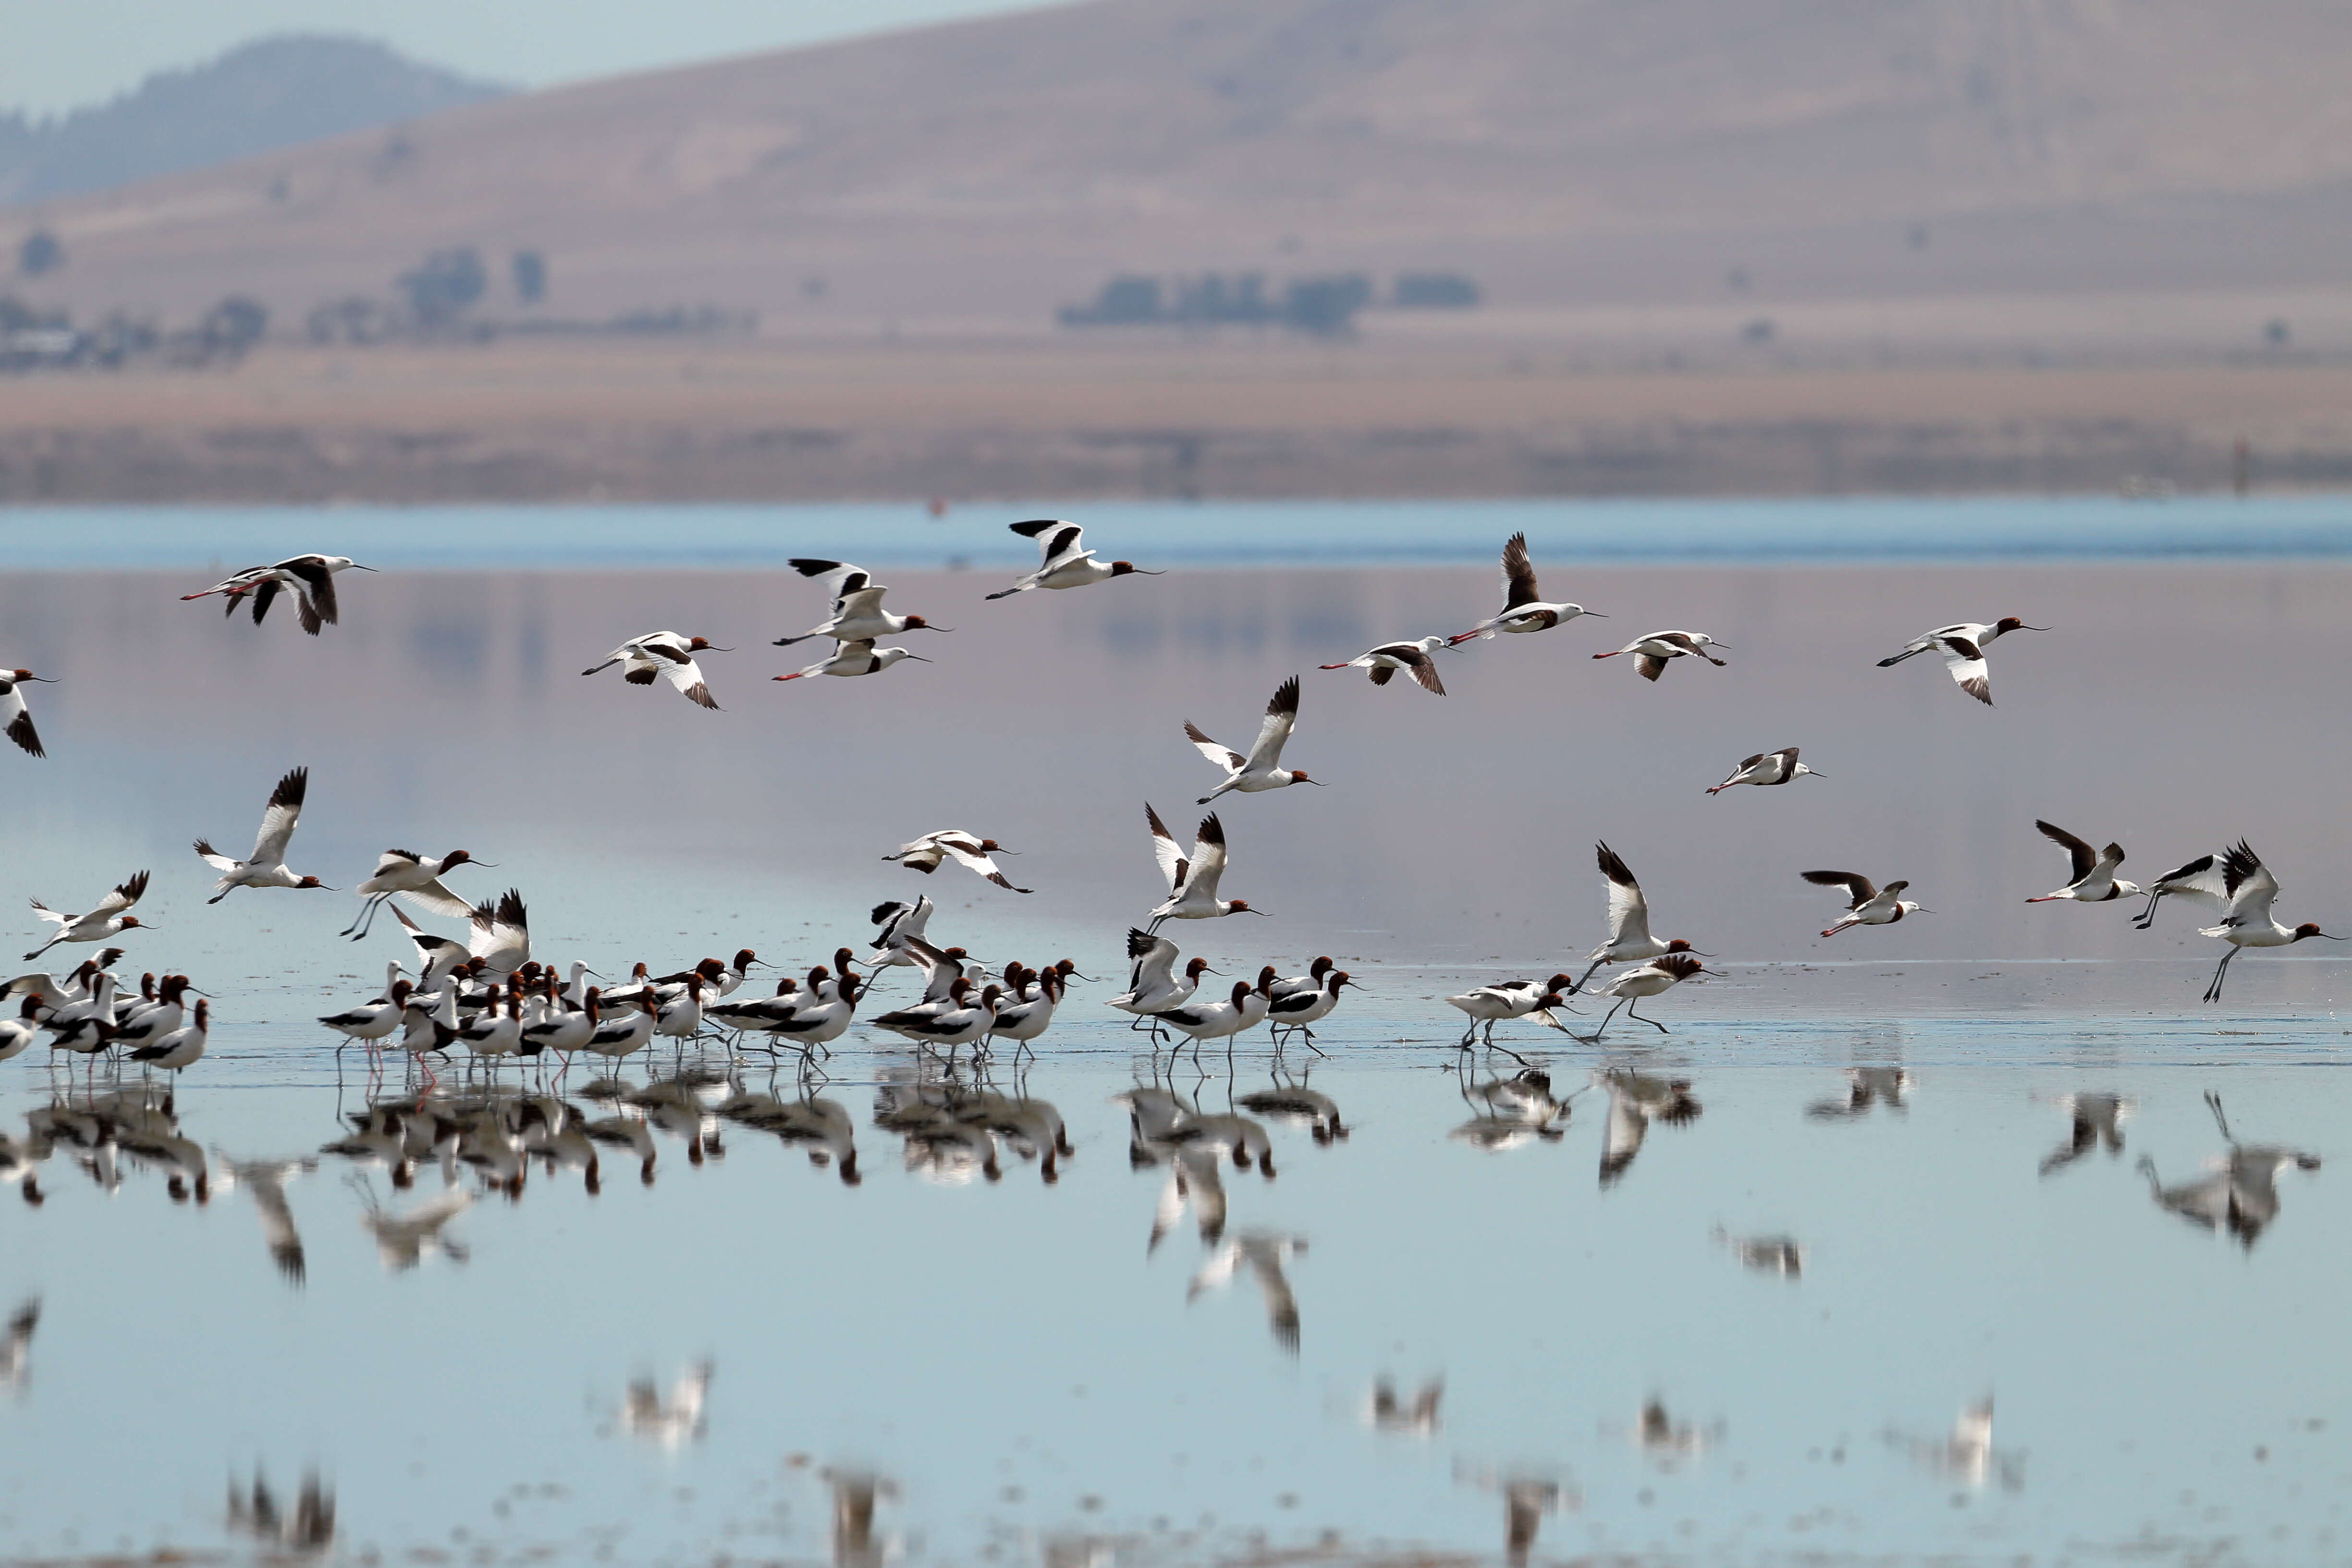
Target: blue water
(1976,529)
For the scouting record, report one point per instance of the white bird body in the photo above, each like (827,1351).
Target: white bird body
(110,915)
(857,613)
(1653,979)
(1962,644)
(664,655)
(901,924)
(616,1038)
(266,866)
(15,718)
(1192,880)
(2201,881)
(1630,941)
(680,1018)
(372,1021)
(968,850)
(1063,562)
(1218,1020)
(182,1047)
(310,578)
(498,1032)
(2094,879)
(2253,889)
(851,658)
(568,1029)
(1524,609)
(1262,769)
(500,934)
(1302,1009)
(1492,1005)
(405,874)
(1652,652)
(1412,658)
(1029,1017)
(1766,768)
(1871,906)
(962,1022)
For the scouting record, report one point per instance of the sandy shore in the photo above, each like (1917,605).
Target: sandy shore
(979,419)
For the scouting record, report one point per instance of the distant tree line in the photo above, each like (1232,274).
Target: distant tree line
(32,339)
(1325,305)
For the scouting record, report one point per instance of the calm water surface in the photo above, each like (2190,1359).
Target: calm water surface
(1747,1325)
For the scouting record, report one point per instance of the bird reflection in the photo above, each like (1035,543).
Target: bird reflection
(1865,1086)
(2097,1120)
(1194,1179)
(854,1543)
(1968,1455)
(17,1349)
(1299,1106)
(309,1527)
(821,1127)
(1668,1441)
(264,1181)
(2239,1195)
(1527,1499)
(1508,1111)
(403,1240)
(673,1419)
(1263,1253)
(1780,1255)
(1416,1416)
(1636,1099)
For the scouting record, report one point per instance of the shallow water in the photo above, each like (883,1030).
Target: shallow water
(1013,1365)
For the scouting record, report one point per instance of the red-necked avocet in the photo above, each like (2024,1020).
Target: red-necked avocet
(312,579)
(1262,769)
(1063,562)
(966,850)
(1653,979)
(501,932)
(1217,1020)
(17,719)
(108,917)
(1491,1005)
(1153,984)
(1630,941)
(1871,906)
(901,924)
(2092,880)
(1295,1012)
(963,1021)
(857,613)
(405,874)
(1651,653)
(1524,609)
(1766,768)
(2199,881)
(2252,889)
(183,1047)
(266,866)
(1412,658)
(372,1021)
(1962,644)
(664,655)
(1192,881)
(566,1029)
(852,658)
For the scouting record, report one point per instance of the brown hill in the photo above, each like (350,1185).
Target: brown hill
(1564,151)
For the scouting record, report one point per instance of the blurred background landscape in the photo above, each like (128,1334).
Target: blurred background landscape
(1207,248)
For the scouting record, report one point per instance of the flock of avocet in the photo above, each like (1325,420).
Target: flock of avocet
(487,992)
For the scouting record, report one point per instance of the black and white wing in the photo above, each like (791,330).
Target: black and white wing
(1518,574)
(1166,850)
(1281,713)
(967,853)
(1150,960)
(1854,882)
(841,579)
(1058,543)
(1226,757)
(278,819)
(2081,856)
(1208,857)
(125,894)
(1628,911)
(1414,658)
(2250,887)
(16,720)
(1969,672)
(318,589)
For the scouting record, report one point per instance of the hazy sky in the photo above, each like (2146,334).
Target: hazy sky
(64,53)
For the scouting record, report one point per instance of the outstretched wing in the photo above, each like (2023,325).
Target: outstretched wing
(213,857)
(1650,664)
(1148,954)
(318,586)
(1628,911)
(841,578)
(687,678)
(1208,855)
(1166,850)
(1424,668)
(972,858)
(125,894)
(1518,574)
(2251,886)
(16,720)
(436,899)
(1969,673)
(1854,882)
(278,819)
(1281,713)
(1056,541)
(859,603)
(2084,856)
(1226,757)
